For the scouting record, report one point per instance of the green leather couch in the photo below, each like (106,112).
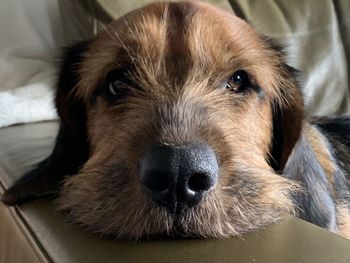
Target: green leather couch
(319,38)
(34,232)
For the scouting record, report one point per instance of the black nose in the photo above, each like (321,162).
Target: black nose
(179,176)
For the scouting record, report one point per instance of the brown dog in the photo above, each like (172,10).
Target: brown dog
(179,119)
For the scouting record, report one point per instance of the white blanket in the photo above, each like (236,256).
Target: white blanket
(31,35)
(32,32)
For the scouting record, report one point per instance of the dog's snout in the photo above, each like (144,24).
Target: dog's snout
(178,177)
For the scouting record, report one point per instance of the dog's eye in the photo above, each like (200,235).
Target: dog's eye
(116,83)
(238,82)
(114,88)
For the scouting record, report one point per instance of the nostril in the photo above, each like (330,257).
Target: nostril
(199,182)
(178,176)
(157,181)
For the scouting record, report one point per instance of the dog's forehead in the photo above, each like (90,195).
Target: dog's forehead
(180,29)
(175,39)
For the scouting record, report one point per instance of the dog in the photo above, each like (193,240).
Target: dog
(179,119)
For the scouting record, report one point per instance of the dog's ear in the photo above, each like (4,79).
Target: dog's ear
(287,113)
(70,108)
(286,130)
(71,148)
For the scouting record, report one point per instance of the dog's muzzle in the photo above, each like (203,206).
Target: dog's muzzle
(179,176)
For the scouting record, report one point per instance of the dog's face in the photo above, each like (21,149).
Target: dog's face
(182,104)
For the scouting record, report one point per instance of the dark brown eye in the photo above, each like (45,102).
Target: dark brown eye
(238,82)
(115,88)
(116,84)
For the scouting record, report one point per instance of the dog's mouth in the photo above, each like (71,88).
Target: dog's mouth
(179,230)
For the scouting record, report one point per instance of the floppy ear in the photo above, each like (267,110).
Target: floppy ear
(287,114)
(293,157)
(71,148)
(287,122)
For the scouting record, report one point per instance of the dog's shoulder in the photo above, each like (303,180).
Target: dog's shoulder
(321,161)
(334,126)
(337,131)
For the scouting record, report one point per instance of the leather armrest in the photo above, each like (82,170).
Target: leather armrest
(42,235)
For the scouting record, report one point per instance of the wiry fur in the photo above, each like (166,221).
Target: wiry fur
(177,58)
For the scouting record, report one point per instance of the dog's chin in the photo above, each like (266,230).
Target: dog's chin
(148,222)
(132,215)
(159,224)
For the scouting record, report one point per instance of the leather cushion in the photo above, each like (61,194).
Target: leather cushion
(44,236)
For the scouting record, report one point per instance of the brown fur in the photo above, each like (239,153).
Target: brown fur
(344,220)
(177,105)
(318,143)
(178,57)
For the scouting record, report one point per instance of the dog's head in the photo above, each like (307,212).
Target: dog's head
(189,116)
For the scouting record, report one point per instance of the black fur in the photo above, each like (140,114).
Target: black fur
(335,126)
(71,148)
(277,141)
(337,131)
